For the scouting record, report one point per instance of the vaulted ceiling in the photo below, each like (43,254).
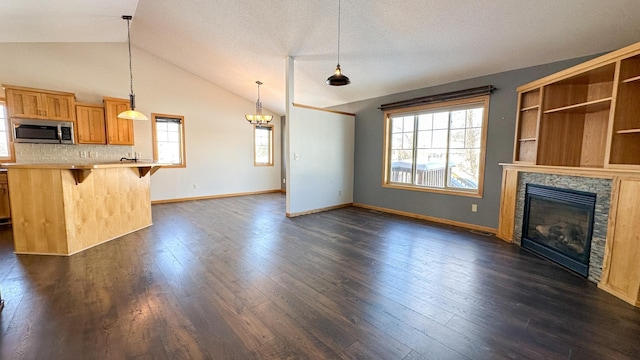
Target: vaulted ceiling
(386,46)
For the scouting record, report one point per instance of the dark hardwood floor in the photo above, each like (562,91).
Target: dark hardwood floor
(234,278)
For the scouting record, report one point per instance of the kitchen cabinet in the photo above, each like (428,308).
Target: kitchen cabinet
(119,131)
(5,209)
(90,124)
(39,104)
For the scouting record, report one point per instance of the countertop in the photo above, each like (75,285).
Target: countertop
(82,170)
(82,165)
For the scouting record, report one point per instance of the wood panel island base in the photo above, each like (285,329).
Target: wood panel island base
(64,209)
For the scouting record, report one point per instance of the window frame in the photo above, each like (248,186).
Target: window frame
(386,166)
(10,146)
(183,144)
(271,137)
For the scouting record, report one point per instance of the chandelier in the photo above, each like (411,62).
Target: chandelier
(258,118)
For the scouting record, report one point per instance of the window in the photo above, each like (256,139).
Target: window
(437,147)
(263,145)
(6,147)
(168,139)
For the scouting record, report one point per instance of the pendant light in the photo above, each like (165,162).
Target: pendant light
(258,118)
(131,114)
(338,79)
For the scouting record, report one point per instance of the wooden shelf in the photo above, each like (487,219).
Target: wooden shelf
(528,139)
(583,108)
(628,131)
(635,78)
(530,108)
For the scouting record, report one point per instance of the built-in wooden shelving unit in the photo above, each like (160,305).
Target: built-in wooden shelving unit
(585,121)
(586,116)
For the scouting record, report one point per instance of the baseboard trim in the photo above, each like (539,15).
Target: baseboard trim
(290,215)
(209,197)
(429,218)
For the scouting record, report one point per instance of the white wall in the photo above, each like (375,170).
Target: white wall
(321,153)
(219,142)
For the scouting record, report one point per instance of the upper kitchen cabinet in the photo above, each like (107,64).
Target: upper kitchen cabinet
(90,126)
(39,104)
(119,131)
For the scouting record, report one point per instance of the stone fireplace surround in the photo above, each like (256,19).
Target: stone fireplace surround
(601,187)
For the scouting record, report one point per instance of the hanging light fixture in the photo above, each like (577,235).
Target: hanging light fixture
(131,114)
(338,79)
(258,118)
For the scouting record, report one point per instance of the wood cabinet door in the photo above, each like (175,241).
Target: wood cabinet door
(119,131)
(90,125)
(621,270)
(5,209)
(58,107)
(27,104)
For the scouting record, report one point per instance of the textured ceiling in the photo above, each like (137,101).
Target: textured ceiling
(387,46)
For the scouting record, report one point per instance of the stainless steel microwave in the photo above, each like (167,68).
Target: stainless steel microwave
(42,131)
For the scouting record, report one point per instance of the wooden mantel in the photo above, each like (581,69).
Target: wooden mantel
(61,209)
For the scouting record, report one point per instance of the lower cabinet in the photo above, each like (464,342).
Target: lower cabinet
(5,209)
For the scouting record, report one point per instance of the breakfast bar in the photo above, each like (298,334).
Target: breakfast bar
(62,209)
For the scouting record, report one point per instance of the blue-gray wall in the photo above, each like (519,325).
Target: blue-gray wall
(502,114)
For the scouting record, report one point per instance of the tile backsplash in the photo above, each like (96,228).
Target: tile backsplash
(54,153)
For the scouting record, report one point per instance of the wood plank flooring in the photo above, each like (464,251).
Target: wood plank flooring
(234,278)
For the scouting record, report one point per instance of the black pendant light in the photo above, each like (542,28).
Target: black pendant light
(131,114)
(338,79)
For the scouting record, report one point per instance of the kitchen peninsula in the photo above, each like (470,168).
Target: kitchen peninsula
(62,209)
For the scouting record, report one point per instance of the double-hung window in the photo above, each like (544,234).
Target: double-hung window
(168,139)
(437,147)
(263,145)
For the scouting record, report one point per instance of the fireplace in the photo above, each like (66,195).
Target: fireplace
(558,224)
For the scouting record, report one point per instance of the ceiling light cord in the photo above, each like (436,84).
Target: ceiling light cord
(339,1)
(130,66)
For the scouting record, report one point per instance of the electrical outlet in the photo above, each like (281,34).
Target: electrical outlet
(195,186)
(83,154)
(284,180)
(339,192)
(474,207)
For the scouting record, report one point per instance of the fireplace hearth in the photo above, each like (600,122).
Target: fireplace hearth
(558,225)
